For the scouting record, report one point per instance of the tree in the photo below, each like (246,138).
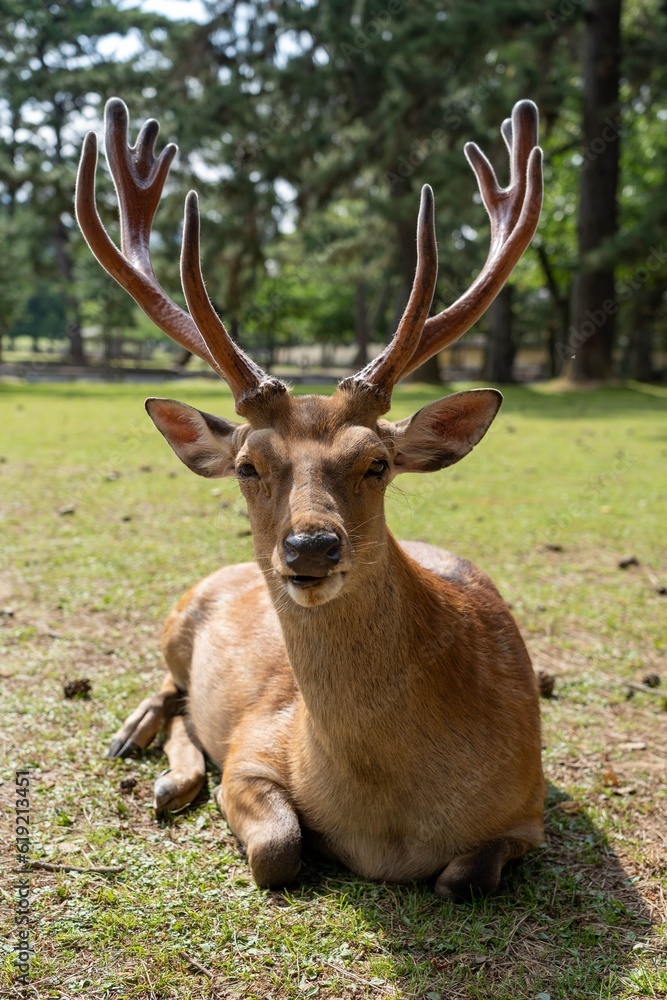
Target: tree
(361,102)
(500,341)
(594,305)
(53,76)
(15,285)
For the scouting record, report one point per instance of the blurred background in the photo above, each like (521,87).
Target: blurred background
(308,127)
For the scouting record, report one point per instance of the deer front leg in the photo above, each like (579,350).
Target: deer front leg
(260,814)
(182,782)
(143,725)
(478,872)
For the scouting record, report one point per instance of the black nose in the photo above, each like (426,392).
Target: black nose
(312,555)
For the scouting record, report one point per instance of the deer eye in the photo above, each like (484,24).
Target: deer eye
(377,468)
(247,471)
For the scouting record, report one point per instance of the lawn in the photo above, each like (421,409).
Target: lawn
(102,529)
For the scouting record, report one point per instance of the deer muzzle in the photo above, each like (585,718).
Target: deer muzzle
(311,556)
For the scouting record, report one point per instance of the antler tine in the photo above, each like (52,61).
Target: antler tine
(384,371)
(246,379)
(514,213)
(138,179)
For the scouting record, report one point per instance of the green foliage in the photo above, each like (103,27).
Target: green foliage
(309,129)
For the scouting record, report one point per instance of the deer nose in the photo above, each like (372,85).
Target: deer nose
(312,554)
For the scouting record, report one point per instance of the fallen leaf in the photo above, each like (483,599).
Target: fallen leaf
(77,688)
(651,680)
(546,683)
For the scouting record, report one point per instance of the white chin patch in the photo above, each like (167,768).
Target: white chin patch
(321,593)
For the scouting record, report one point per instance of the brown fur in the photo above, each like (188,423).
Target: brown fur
(391,710)
(377,698)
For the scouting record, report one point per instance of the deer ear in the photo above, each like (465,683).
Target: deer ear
(202,442)
(443,432)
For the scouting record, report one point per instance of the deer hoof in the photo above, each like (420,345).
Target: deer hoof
(476,873)
(123,748)
(220,801)
(275,863)
(174,791)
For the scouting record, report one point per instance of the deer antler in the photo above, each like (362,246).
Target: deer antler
(384,371)
(139,179)
(514,213)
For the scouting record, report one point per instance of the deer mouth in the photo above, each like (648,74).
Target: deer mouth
(306,581)
(309,591)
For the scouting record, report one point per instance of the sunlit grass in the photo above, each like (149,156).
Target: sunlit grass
(102,529)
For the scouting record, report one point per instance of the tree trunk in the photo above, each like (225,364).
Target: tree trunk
(64,267)
(500,346)
(638,354)
(593,331)
(558,331)
(183,358)
(75,351)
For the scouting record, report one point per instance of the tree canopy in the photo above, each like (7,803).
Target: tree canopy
(309,128)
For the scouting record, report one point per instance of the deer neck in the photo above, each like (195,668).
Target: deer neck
(354,657)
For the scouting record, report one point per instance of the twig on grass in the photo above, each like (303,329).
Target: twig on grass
(517,924)
(196,965)
(357,978)
(644,688)
(48,867)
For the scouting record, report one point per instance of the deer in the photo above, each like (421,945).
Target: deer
(365,699)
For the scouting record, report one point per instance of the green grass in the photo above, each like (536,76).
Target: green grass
(101,529)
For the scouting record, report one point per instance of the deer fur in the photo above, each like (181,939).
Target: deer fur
(389,714)
(369,698)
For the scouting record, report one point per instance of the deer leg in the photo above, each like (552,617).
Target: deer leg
(142,726)
(260,814)
(182,782)
(478,872)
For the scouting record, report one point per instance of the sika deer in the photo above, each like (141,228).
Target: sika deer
(372,697)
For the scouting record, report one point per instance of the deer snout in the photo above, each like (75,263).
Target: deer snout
(312,554)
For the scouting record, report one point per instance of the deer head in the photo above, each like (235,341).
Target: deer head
(313,469)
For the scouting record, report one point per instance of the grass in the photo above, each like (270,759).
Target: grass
(102,529)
